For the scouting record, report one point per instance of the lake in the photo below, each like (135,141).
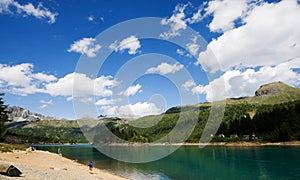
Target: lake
(190,162)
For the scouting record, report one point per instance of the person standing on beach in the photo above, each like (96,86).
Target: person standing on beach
(91,166)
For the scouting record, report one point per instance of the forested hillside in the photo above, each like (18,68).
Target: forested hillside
(272,115)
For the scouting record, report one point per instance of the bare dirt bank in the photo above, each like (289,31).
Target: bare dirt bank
(40,165)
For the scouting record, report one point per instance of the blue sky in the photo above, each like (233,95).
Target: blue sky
(245,44)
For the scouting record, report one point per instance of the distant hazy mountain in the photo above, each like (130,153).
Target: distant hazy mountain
(19,114)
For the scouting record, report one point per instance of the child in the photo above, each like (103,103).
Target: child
(91,166)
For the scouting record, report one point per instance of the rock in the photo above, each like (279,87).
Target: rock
(13,171)
(18,114)
(9,170)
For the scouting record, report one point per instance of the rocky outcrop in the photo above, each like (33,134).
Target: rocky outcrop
(267,92)
(19,114)
(269,89)
(9,170)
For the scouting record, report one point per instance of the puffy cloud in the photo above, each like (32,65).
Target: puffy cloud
(240,83)
(109,110)
(87,46)
(269,36)
(85,86)
(193,47)
(180,18)
(188,84)
(176,22)
(131,43)
(225,12)
(40,12)
(132,90)
(165,68)
(105,101)
(20,79)
(138,109)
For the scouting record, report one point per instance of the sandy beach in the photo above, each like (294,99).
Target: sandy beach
(42,165)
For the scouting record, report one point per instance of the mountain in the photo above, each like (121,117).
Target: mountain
(272,114)
(18,114)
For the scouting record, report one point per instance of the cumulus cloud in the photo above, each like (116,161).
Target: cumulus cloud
(85,86)
(40,12)
(225,12)
(193,47)
(20,79)
(132,90)
(109,110)
(188,85)
(138,109)
(183,14)
(165,68)
(87,46)
(105,101)
(269,36)
(132,44)
(176,22)
(240,83)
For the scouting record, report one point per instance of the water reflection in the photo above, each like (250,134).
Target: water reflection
(190,162)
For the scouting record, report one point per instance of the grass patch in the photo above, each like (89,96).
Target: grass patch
(10,147)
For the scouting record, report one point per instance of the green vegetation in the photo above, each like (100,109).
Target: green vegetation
(10,147)
(47,131)
(272,115)
(3,118)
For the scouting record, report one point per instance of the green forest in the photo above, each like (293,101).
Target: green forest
(263,118)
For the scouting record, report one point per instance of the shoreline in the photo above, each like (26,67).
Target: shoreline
(37,164)
(237,144)
(232,144)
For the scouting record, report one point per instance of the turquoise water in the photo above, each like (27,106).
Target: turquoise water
(190,162)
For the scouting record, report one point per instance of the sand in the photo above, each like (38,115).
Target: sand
(42,165)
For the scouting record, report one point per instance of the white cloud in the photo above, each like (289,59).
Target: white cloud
(138,109)
(131,43)
(193,47)
(109,110)
(270,36)
(238,83)
(91,18)
(176,22)
(165,68)
(188,85)
(20,79)
(197,17)
(183,14)
(87,46)
(180,52)
(132,90)
(45,104)
(85,86)
(40,12)
(105,101)
(225,12)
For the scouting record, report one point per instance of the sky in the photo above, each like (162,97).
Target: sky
(137,57)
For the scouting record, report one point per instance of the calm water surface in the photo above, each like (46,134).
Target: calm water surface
(190,162)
